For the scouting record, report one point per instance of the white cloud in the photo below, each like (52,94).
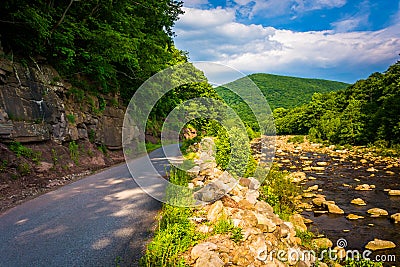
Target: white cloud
(350,23)
(198,18)
(347,25)
(271,8)
(255,48)
(195,3)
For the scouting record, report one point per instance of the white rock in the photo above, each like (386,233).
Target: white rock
(202,248)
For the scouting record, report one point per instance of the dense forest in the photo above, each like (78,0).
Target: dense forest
(366,112)
(99,46)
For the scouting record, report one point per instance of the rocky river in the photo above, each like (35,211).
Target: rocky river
(331,179)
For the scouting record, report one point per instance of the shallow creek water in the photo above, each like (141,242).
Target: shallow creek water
(342,170)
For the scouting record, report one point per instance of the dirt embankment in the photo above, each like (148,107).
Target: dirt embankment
(29,170)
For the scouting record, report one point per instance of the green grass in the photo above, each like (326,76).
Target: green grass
(175,233)
(362,263)
(225,226)
(71,118)
(151,147)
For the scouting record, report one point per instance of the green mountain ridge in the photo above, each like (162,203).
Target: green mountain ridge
(281,91)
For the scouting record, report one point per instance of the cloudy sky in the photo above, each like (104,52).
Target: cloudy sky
(342,40)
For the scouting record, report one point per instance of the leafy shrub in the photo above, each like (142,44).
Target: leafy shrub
(297,139)
(74,151)
(240,160)
(278,191)
(24,169)
(21,150)
(54,156)
(103,149)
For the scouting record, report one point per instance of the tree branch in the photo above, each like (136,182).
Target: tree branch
(62,17)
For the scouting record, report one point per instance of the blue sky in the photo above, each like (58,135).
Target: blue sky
(344,40)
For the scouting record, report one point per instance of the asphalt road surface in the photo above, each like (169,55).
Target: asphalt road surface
(97,221)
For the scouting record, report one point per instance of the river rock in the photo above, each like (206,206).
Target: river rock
(376,212)
(378,244)
(395,217)
(322,243)
(358,201)
(193,172)
(363,187)
(215,211)
(308,195)
(304,205)
(308,221)
(332,207)
(312,188)
(249,219)
(209,259)
(354,217)
(297,177)
(318,201)
(340,252)
(265,224)
(244,182)
(254,183)
(201,249)
(394,192)
(264,207)
(252,195)
(298,222)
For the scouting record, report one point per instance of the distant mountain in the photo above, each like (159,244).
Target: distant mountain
(281,91)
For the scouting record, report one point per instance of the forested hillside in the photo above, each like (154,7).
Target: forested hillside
(284,91)
(367,112)
(280,91)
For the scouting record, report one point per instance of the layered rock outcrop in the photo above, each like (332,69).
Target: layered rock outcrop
(37,105)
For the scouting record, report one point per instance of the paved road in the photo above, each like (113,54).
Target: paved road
(91,222)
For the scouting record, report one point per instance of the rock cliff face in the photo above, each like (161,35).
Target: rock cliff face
(36,105)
